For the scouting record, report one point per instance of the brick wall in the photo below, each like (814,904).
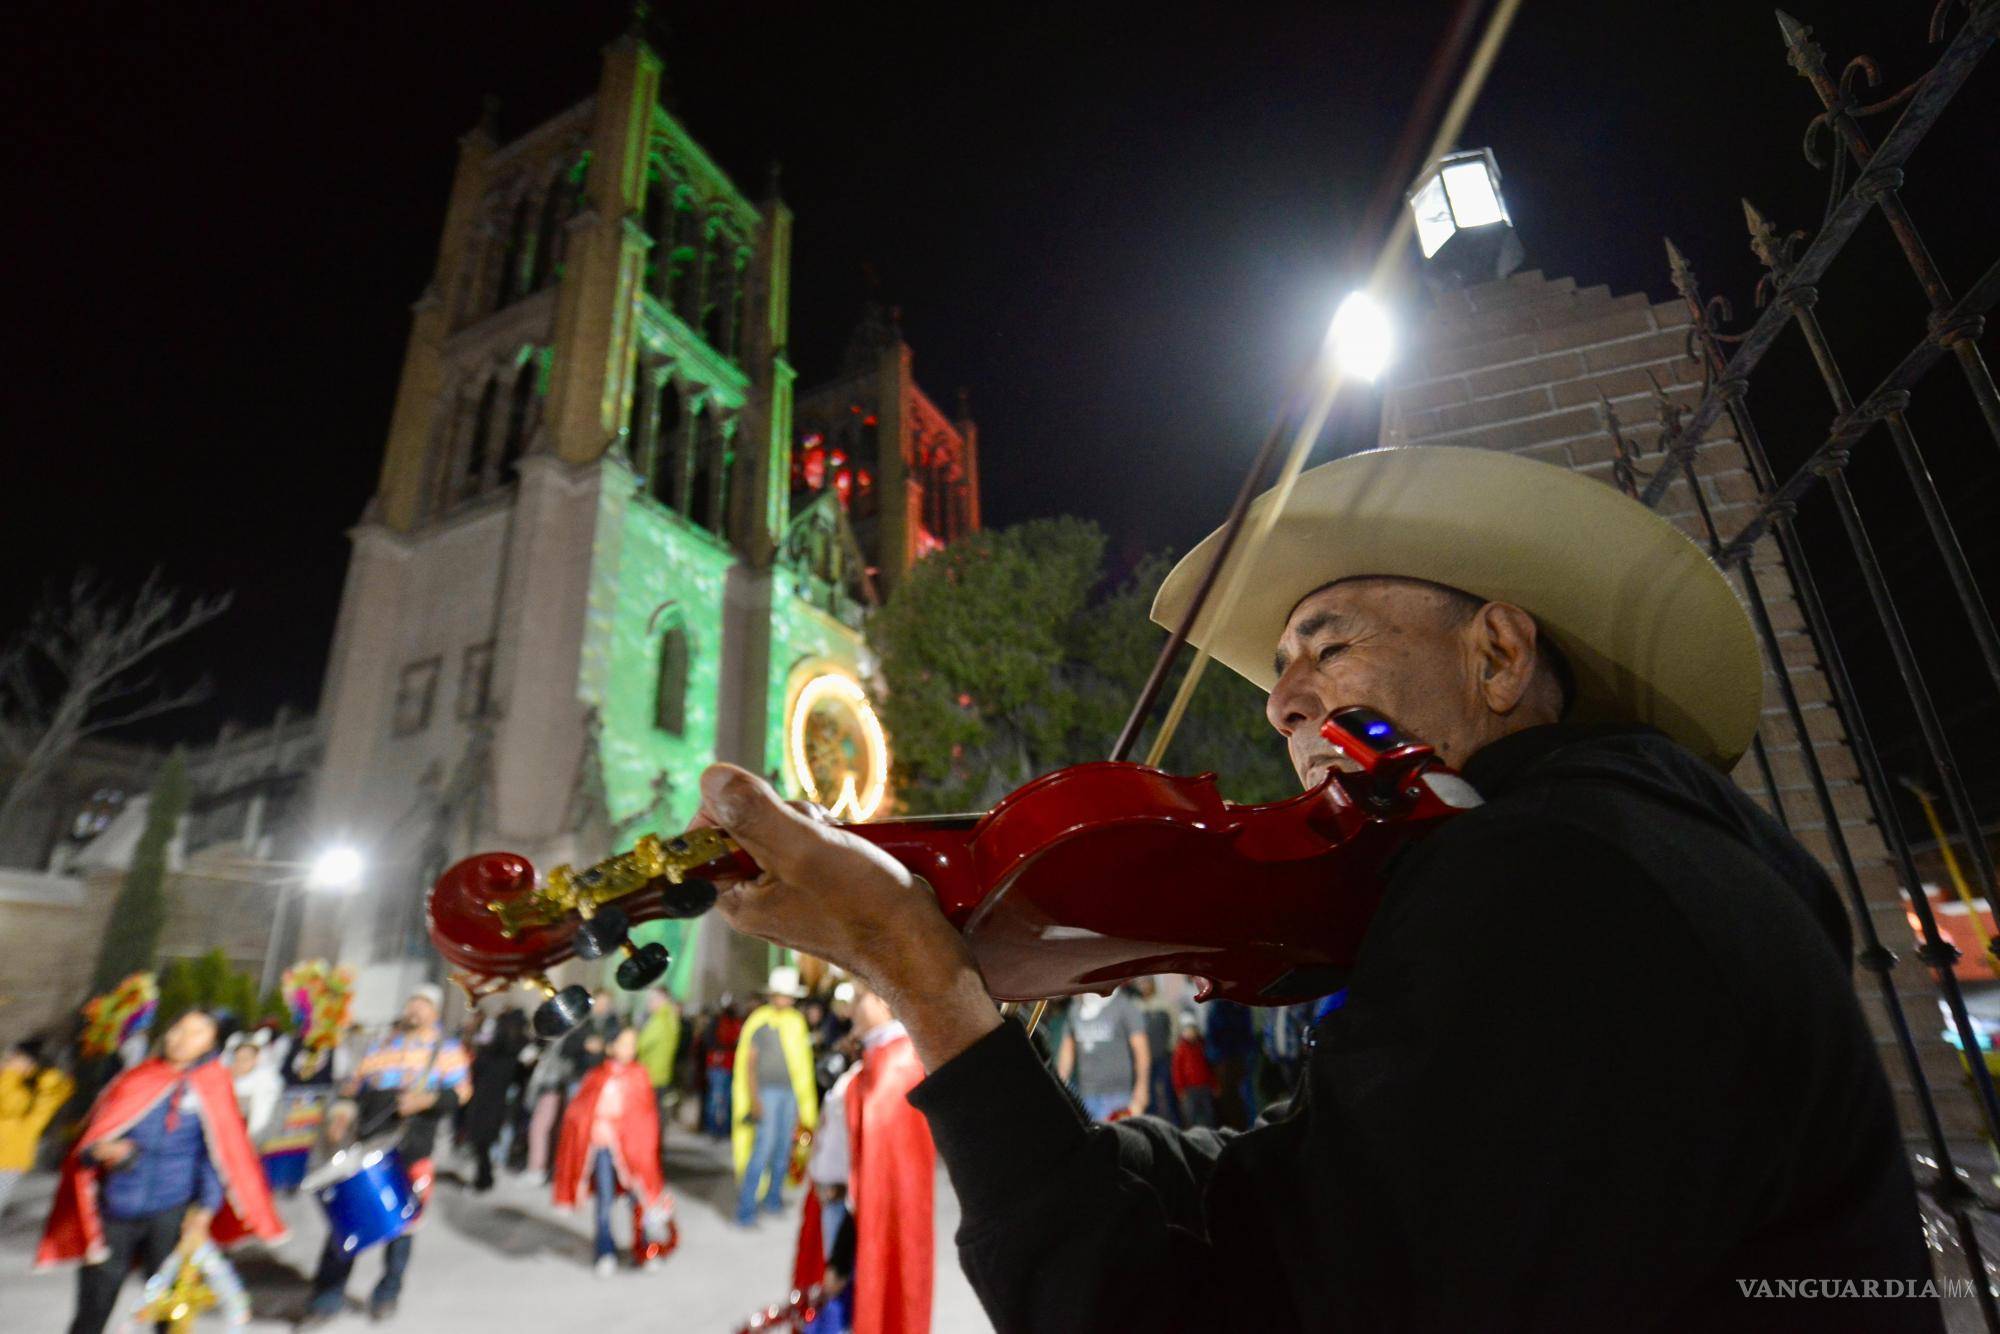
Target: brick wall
(1528,365)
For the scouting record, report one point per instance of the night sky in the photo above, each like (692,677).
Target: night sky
(1116,228)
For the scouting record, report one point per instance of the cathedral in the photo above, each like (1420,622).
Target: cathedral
(611,542)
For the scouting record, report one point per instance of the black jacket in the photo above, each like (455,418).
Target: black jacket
(1599,1061)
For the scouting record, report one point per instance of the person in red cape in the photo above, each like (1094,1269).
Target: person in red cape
(163,1163)
(891,1176)
(611,1140)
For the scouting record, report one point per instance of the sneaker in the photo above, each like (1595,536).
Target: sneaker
(607,1265)
(380,1311)
(313,1320)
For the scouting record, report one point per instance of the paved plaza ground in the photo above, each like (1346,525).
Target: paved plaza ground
(508,1262)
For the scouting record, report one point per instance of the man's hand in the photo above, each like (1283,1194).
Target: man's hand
(339,1122)
(828,893)
(1137,1107)
(113,1152)
(194,1230)
(413,1102)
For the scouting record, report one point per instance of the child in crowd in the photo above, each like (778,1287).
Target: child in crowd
(611,1139)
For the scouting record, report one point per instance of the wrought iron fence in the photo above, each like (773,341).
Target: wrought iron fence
(1788,294)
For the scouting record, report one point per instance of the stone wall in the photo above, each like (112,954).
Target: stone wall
(1537,366)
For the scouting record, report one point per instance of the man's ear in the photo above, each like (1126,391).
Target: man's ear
(1504,654)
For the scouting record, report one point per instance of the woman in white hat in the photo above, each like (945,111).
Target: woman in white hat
(1599,1064)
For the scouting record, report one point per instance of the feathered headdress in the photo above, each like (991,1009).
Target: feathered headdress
(320,996)
(126,1009)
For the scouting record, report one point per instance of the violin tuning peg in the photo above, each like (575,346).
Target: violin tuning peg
(689,898)
(601,933)
(645,965)
(561,1012)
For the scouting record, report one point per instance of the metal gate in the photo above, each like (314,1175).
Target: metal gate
(1837,141)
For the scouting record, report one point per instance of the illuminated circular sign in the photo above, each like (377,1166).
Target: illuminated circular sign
(839,757)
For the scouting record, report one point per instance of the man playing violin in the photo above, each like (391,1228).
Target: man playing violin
(1672,1094)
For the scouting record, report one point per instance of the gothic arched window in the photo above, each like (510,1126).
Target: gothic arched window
(669,448)
(517,416)
(702,448)
(670,702)
(482,436)
(547,231)
(513,260)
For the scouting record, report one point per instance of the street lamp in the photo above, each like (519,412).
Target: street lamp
(335,868)
(1361,339)
(1463,227)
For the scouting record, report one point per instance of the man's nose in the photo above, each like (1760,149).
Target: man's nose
(1291,705)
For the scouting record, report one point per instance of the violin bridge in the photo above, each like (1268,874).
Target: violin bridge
(582,892)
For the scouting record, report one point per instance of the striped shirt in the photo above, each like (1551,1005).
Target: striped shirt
(398,1062)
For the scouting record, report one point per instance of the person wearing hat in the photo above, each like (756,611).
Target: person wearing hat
(1672,1090)
(772,1094)
(408,1081)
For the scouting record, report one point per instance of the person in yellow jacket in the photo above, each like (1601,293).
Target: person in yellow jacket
(30,1095)
(659,1044)
(772,1094)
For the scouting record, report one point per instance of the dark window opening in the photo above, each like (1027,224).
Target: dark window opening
(416,690)
(547,230)
(514,261)
(482,434)
(517,417)
(669,429)
(475,681)
(670,705)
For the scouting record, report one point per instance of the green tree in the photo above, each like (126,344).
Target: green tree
(1009,654)
(133,933)
(212,983)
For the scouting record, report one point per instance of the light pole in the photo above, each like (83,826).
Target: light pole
(337,869)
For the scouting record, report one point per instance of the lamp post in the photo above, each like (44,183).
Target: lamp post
(337,869)
(1463,227)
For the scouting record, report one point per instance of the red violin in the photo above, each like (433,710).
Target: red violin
(1085,878)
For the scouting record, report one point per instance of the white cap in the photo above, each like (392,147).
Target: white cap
(785,982)
(431,992)
(844,994)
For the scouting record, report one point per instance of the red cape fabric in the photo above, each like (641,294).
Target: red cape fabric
(809,1261)
(637,1154)
(890,1182)
(75,1232)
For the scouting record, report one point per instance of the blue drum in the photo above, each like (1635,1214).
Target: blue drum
(366,1194)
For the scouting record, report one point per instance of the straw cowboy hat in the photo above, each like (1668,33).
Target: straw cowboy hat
(1650,626)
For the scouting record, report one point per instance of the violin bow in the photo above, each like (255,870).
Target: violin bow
(1317,388)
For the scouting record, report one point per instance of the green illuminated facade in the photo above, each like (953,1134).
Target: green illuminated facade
(602,554)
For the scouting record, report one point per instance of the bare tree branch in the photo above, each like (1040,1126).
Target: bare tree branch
(64,676)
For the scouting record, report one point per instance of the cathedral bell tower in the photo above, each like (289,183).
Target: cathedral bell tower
(559,603)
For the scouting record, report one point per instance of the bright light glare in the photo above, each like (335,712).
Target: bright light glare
(336,868)
(1474,203)
(1434,226)
(1362,339)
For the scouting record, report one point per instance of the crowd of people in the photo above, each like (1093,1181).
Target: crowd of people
(805,1087)
(184,1138)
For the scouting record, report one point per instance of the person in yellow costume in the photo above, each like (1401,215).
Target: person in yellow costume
(30,1094)
(772,1095)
